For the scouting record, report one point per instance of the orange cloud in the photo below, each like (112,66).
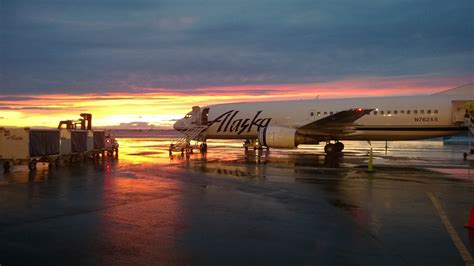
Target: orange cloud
(161,106)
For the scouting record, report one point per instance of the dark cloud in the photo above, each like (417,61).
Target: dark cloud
(6,108)
(82,46)
(71,97)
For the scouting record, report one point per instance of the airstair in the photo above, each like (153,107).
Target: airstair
(193,127)
(469,123)
(469,117)
(193,138)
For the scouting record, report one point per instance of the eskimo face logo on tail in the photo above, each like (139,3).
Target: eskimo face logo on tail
(227,123)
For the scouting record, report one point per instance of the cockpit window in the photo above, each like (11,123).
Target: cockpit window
(188,115)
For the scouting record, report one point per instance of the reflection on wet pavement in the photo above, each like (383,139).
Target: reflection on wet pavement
(231,206)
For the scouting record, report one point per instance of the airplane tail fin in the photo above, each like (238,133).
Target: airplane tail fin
(465,90)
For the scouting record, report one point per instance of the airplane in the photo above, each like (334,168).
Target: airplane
(287,124)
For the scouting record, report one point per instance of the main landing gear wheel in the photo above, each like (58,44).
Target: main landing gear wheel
(339,146)
(330,148)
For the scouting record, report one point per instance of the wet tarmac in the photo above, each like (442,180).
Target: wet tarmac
(282,207)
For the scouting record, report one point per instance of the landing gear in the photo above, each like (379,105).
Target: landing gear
(252,143)
(247,143)
(339,146)
(332,148)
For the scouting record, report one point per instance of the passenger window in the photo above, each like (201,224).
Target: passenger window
(388,112)
(311,114)
(435,111)
(375,112)
(408,112)
(395,112)
(402,112)
(381,112)
(325,113)
(428,112)
(422,111)
(330,113)
(415,112)
(319,113)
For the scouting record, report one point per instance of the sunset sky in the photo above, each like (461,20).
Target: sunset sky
(151,60)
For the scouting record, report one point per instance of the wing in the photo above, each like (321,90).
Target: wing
(340,123)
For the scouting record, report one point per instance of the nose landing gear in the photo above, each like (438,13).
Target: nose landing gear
(252,143)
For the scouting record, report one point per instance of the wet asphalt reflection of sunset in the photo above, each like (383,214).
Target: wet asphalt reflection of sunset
(234,207)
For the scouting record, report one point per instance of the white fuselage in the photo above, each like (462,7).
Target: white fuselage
(393,118)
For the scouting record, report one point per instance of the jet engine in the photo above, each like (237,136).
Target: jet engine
(278,137)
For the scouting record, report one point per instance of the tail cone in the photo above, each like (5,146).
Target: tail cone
(470,223)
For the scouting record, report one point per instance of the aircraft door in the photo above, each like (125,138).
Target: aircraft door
(196,118)
(459,110)
(205,116)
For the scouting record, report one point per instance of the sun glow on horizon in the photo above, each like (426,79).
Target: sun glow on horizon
(160,108)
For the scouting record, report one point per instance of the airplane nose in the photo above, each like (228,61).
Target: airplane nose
(178,125)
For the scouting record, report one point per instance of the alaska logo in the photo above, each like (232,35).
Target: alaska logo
(228,124)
